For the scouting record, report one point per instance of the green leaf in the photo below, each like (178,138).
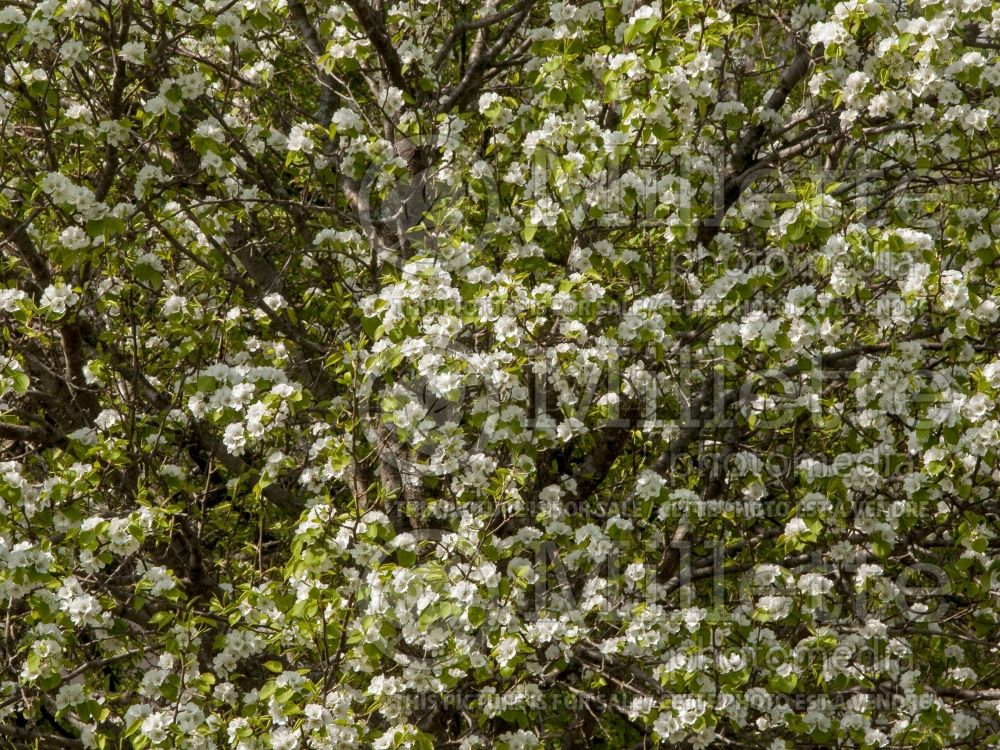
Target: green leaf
(269,689)
(405,557)
(161,618)
(881,547)
(21,382)
(149,275)
(106,227)
(477,616)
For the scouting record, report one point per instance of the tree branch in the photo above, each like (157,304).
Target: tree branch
(478,65)
(375,30)
(330,95)
(22,433)
(473,25)
(35,738)
(744,158)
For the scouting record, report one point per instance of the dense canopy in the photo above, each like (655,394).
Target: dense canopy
(505,374)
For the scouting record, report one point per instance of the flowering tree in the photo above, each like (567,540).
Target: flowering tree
(524,374)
